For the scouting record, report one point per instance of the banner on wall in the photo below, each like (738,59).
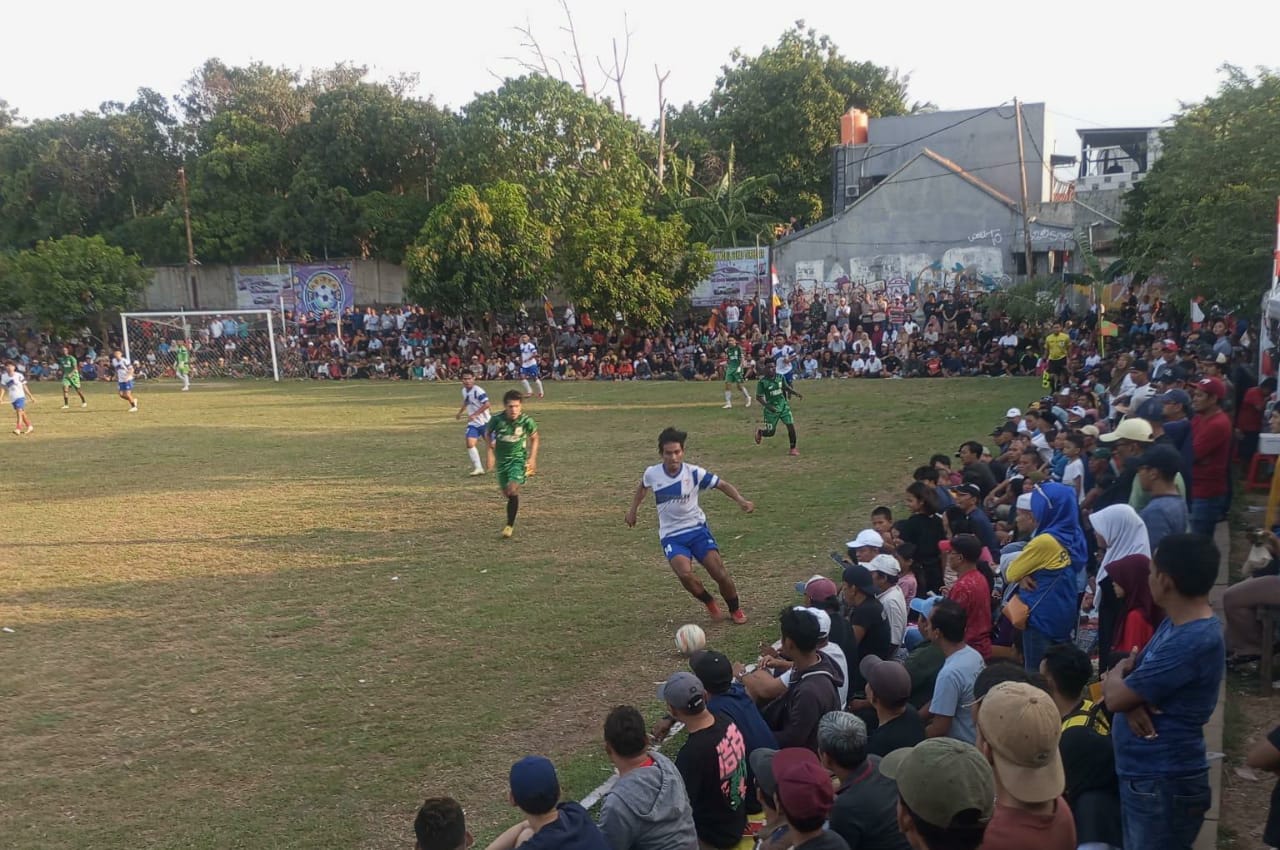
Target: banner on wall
(262,287)
(323,286)
(739,273)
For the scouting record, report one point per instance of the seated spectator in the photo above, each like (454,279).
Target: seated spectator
(946,794)
(804,797)
(775,833)
(884,575)
(1163,697)
(712,763)
(945,712)
(821,592)
(647,808)
(867,618)
(1018,732)
(727,697)
(926,658)
(1265,755)
(814,686)
(1241,601)
(535,791)
(441,825)
(865,810)
(888,688)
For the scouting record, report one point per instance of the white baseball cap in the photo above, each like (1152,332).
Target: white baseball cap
(823,618)
(1024,502)
(866,537)
(886,564)
(1012,412)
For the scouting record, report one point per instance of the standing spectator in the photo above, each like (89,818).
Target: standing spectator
(1265,755)
(923,528)
(972,592)
(712,763)
(1249,418)
(1018,731)
(1163,696)
(1166,509)
(647,808)
(1211,442)
(946,794)
(535,791)
(947,712)
(865,810)
(804,799)
(926,659)
(888,689)
(441,825)
(1122,540)
(969,500)
(814,688)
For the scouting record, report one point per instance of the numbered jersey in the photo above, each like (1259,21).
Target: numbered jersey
(783,356)
(677,496)
(528,355)
(476,400)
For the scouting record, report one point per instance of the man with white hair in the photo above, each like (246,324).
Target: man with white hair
(865,810)
(885,570)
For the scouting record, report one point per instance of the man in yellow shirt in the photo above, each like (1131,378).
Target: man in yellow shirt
(1056,346)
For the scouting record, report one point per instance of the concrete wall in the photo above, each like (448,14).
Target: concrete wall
(986,145)
(376,282)
(913,232)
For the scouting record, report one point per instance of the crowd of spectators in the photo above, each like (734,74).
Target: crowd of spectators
(1025,658)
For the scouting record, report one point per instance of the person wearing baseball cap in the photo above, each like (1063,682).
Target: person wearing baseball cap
(1211,435)
(867,617)
(946,793)
(535,791)
(968,498)
(888,689)
(815,679)
(804,797)
(1129,439)
(1166,510)
(885,570)
(865,546)
(926,657)
(818,588)
(727,696)
(1018,731)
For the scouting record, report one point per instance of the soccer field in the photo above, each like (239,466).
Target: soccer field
(280,615)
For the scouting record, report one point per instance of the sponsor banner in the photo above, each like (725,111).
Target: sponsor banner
(323,286)
(740,273)
(261,287)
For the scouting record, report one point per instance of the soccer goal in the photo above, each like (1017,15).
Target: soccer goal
(223,343)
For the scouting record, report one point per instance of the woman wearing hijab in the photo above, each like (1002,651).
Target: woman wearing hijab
(1123,535)
(1131,578)
(1049,570)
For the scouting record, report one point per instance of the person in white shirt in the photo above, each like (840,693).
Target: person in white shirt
(124,378)
(858,367)
(475,404)
(784,356)
(682,526)
(1073,474)
(570,319)
(1009,340)
(215,327)
(14,385)
(874,366)
(529,362)
(885,570)
(810,366)
(732,317)
(910,328)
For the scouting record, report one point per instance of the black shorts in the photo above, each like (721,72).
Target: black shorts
(1058,367)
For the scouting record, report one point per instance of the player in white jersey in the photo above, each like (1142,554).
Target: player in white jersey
(529,365)
(784,356)
(682,526)
(124,378)
(475,404)
(14,384)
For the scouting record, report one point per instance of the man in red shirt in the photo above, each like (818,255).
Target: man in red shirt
(972,591)
(1249,418)
(1211,445)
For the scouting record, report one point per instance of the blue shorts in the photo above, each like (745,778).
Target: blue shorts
(789,377)
(125,386)
(529,372)
(475,432)
(19,403)
(692,543)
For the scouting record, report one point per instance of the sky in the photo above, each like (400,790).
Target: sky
(1102,64)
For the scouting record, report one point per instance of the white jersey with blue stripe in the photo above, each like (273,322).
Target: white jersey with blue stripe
(677,496)
(475,398)
(528,354)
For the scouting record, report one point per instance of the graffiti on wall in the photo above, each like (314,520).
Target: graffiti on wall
(970,267)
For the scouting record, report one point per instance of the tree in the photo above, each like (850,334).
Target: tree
(721,215)
(781,110)
(480,251)
(1204,217)
(69,282)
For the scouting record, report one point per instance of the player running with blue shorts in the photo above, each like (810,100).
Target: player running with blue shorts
(14,384)
(124,378)
(529,366)
(682,526)
(475,404)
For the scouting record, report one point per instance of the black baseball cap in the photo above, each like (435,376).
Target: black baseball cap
(1164,458)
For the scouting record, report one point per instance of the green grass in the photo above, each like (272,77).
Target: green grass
(279,616)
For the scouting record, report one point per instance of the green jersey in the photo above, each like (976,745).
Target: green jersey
(68,365)
(733,354)
(511,437)
(773,391)
(182,354)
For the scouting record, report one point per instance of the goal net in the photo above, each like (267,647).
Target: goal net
(223,344)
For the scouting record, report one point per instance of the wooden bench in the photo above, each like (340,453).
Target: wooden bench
(1269,617)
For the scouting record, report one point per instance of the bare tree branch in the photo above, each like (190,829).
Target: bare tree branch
(576,58)
(619,66)
(542,63)
(662,124)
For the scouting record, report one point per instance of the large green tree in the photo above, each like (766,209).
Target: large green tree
(781,110)
(69,282)
(480,251)
(1205,215)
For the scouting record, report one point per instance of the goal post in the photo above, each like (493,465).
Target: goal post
(223,343)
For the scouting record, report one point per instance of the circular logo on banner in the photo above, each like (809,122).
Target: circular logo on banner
(322,291)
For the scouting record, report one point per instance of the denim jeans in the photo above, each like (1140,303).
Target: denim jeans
(1206,513)
(1166,812)
(1034,644)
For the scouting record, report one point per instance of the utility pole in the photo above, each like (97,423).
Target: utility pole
(1022,174)
(191,246)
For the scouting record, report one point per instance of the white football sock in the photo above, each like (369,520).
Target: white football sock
(745,393)
(539,382)
(186,381)
(528,390)
(728,397)
(474,454)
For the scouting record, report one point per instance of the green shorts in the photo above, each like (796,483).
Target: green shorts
(71,379)
(183,369)
(733,376)
(772,418)
(510,472)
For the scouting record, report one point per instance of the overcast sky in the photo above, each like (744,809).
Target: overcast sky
(1093,64)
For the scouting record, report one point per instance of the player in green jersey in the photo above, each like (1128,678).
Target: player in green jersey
(733,373)
(70,377)
(182,363)
(514,438)
(773,393)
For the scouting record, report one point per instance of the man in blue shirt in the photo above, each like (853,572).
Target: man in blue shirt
(1163,697)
